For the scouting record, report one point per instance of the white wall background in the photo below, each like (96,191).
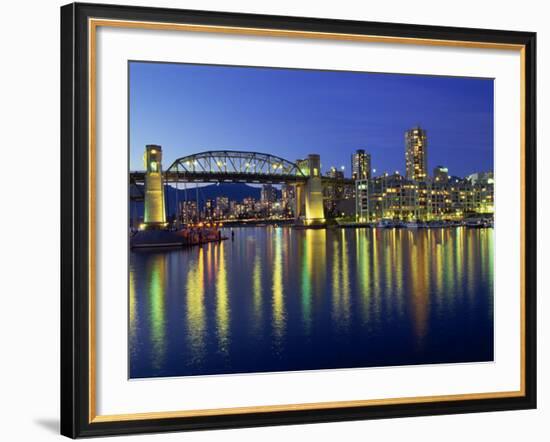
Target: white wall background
(29,219)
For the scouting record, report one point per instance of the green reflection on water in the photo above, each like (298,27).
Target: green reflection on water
(132,311)
(157,317)
(362,256)
(277,288)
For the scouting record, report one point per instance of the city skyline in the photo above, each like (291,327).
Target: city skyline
(457,114)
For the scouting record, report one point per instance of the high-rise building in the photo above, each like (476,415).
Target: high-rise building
(188,211)
(249,205)
(333,190)
(416,154)
(268,193)
(209,209)
(288,198)
(360,165)
(222,206)
(441,174)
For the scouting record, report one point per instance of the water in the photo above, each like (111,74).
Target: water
(280,299)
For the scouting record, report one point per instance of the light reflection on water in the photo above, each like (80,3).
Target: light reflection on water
(284,299)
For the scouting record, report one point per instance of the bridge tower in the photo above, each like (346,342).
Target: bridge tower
(309,197)
(155,215)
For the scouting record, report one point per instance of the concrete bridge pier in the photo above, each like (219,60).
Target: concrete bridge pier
(309,196)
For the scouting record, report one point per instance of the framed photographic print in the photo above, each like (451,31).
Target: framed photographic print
(274,220)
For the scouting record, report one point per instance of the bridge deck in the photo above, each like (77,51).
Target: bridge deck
(229,177)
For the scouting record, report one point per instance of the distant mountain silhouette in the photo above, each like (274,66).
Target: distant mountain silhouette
(235,192)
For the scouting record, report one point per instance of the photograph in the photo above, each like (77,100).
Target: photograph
(285,220)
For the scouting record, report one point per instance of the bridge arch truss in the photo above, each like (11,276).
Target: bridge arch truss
(234,166)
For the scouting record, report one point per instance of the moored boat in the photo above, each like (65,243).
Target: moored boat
(474,223)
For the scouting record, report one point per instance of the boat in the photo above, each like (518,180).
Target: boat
(475,223)
(175,238)
(415,224)
(436,224)
(353,224)
(386,224)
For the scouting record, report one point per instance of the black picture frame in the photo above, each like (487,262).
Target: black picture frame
(75,220)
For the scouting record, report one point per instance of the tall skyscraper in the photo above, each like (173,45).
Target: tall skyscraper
(360,165)
(416,154)
(268,193)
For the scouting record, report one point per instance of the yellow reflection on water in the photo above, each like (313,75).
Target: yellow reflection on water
(489,251)
(277,287)
(459,253)
(157,301)
(312,280)
(376,274)
(472,274)
(420,275)
(222,302)
(196,318)
(306,278)
(257,289)
(340,281)
(208,256)
(439,270)
(455,269)
(132,310)
(336,291)
(362,256)
(318,238)
(489,272)
(345,278)
(398,273)
(389,237)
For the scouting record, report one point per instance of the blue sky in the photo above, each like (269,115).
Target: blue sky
(290,113)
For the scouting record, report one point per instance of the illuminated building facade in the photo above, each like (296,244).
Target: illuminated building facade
(188,212)
(222,207)
(288,199)
(440,174)
(333,191)
(268,196)
(481,177)
(398,198)
(360,165)
(209,209)
(362,200)
(394,197)
(416,154)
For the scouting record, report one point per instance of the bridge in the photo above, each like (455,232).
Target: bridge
(230,166)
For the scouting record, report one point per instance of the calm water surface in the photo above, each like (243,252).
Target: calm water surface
(284,299)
